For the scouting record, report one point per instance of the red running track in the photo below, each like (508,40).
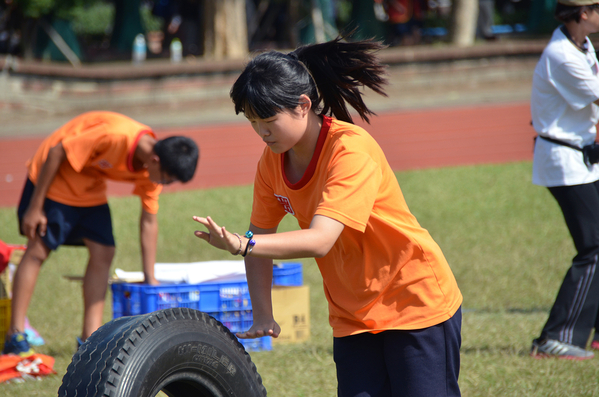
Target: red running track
(415,139)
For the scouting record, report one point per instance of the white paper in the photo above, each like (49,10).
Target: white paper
(190,273)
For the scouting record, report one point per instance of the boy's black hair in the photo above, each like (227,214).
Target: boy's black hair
(565,13)
(178,156)
(331,73)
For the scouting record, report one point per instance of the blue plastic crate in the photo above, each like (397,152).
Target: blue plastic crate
(237,321)
(257,345)
(133,299)
(240,321)
(229,303)
(287,274)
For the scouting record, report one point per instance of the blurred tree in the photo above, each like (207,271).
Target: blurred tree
(462,28)
(48,31)
(541,19)
(321,25)
(225,25)
(365,22)
(127,25)
(57,41)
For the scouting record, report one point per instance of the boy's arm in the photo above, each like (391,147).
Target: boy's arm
(35,219)
(259,276)
(148,235)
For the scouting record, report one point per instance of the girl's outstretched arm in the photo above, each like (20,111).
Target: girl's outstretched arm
(314,242)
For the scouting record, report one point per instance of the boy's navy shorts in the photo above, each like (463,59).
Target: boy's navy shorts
(68,225)
(420,363)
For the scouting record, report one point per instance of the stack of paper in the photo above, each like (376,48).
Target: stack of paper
(189,273)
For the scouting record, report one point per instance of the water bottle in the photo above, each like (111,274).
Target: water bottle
(176,50)
(139,49)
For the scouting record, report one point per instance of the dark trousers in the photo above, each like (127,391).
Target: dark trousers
(416,363)
(574,313)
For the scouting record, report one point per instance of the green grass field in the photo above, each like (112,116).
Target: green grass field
(505,240)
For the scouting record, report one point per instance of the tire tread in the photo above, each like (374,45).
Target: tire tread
(102,360)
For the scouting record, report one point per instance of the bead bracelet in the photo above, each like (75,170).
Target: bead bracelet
(240,244)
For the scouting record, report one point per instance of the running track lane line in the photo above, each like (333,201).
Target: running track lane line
(415,139)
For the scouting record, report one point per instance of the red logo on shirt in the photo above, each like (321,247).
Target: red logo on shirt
(104,164)
(285,203)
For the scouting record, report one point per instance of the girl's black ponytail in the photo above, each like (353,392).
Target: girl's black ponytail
(330,73)
(339,70)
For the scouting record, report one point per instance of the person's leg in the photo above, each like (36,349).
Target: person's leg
(486,11)
(573,314)
(425,362)
(417,363)
(95,284)
(24,282)
(26,274)
(401,31)
(360,363)
(95,228)
(595,341)
(25,277)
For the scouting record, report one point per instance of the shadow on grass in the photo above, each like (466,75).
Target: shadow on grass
(495,350)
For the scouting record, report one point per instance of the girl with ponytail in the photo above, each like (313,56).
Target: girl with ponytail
(394,304)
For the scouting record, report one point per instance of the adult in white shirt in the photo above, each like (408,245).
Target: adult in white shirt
(564,108)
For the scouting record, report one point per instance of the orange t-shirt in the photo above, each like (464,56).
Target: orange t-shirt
(98,146)
(385,271)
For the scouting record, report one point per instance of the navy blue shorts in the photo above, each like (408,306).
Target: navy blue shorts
(68,225)
(421,363)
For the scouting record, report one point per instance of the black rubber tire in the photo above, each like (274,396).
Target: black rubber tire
(181,352)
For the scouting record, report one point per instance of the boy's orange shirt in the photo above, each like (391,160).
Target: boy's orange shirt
(385,271)
(98,146)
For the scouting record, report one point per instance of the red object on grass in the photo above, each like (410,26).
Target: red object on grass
(14,366)
(5,253)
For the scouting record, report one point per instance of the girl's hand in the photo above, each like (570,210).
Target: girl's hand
(218,236)
(258,330)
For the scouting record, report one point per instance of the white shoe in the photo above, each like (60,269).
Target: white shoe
(555,348)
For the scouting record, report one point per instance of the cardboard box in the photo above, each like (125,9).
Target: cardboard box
(7,275)
(291,309)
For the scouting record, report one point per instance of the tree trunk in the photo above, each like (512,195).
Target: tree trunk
(318,22)
(463,22)
(28,39)
(225,31)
